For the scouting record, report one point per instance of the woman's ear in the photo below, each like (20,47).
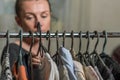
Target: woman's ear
(17,19)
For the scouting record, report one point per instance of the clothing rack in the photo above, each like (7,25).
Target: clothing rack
(60,34)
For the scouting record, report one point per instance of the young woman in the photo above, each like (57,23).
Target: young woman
(28,14)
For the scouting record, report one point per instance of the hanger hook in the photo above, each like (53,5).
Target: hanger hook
(80,40)
(72,42)
(32,41)
(40,40)
(49,41)
(88,36)
(30,54)
(20,49)
(7,42)
(57,40)
(105,41)
(98,38)
(21,38)
(64,38)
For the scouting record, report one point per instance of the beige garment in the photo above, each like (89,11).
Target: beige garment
(78,69)
(54,74)
(73,53)
(63,72)
(90,73)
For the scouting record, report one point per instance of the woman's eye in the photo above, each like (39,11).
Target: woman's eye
(44,16)
(28,18)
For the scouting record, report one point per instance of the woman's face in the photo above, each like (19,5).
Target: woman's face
(33,11)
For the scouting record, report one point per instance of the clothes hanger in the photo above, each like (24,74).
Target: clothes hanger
(57,42)
(56,56)
(21,68)
(105,42)
(30,54)
(80,55)
(49,41)
(98,38)
(72,44)
(40,40)
(20,48)
(41,48)
(64,38)
(86,54)
(72,40)
(94,54)
(7,42)
(103,50)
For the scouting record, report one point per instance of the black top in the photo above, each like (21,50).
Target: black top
(14,52)
(43,70)
(13,57)
(111,64)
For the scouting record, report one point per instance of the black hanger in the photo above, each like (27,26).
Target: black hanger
(105,42)
(56,56)
(72,40)
(49,41)
(40,40)
(82,59)
(57,47)
(94,54)
(30,54)
(72,44)
(64,38)
(7,41)
(41,48)
(20,49)
(80,41)
(57,41)
(98,38)
(86,54)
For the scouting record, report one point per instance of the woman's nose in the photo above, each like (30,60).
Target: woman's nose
(39,21)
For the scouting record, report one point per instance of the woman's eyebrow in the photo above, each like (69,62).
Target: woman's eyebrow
(29,13)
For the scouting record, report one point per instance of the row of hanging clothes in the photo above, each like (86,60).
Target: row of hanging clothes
(65,64)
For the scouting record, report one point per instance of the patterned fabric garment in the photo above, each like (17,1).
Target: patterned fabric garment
(78,69)
(6,73)
(90,73)
(68,62)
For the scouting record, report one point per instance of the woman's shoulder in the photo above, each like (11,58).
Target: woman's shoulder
(12,46)
(12,49)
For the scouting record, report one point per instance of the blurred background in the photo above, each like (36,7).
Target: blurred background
(76,15)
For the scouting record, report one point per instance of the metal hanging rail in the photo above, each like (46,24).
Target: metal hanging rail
(60,34)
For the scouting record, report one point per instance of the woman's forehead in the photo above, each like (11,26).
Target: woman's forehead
(34,5)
